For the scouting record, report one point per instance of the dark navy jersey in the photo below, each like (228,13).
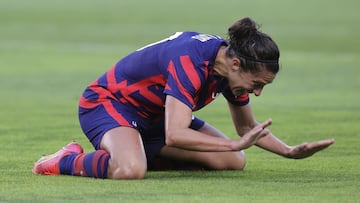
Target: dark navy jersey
(180,66)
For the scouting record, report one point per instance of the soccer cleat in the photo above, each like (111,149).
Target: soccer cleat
(49,165)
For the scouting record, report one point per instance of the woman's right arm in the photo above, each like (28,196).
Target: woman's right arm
(178,134)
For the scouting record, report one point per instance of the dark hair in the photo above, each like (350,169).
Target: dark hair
(254,48)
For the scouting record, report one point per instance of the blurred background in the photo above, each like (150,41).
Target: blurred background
(50,50)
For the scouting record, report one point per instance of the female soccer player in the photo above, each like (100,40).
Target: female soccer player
(142,107)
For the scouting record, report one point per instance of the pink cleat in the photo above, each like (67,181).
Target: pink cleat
(49,165)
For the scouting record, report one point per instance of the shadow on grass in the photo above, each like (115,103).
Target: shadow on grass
(281,176)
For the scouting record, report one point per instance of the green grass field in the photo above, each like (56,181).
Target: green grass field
(50,50)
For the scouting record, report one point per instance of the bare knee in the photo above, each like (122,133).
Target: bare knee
(240,162)
(128,159)
(129,171)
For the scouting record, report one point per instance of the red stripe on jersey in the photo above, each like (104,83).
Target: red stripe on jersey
(152,97)
(100,91)
(212,92)
(87,104)
(110,77)
(110,109)
(206,71)
(172,71)
(190,71)
(142,87)
(151,81)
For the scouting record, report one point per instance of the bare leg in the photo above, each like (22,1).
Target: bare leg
(128,159)
(211,160)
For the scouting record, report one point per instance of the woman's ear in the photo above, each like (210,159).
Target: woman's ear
(236,64)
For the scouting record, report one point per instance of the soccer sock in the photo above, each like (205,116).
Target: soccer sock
(92,164)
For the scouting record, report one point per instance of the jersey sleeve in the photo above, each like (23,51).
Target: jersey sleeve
(185,79)
(238,101)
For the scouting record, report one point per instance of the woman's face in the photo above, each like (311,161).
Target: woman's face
(241,82)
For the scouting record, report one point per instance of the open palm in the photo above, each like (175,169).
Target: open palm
(308,149)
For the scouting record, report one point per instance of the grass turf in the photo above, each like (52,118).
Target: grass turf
(50,50)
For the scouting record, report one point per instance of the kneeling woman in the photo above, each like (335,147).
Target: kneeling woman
(142,107)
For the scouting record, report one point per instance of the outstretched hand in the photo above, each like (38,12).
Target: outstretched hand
(308,149)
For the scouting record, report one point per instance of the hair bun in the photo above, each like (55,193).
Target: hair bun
(252,46)
(242,28)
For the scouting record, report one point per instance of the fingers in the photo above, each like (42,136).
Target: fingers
(252,136)
(266,123)
(264,132)
(319,145)
(327,142)
(260,130)
(308,149)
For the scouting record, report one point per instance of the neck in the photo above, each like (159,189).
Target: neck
(220,62)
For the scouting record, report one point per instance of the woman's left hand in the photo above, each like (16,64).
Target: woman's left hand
(308,149)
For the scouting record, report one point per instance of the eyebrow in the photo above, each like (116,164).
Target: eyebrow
(262,83)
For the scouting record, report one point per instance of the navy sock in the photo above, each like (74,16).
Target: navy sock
(66,164)
(94,164)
